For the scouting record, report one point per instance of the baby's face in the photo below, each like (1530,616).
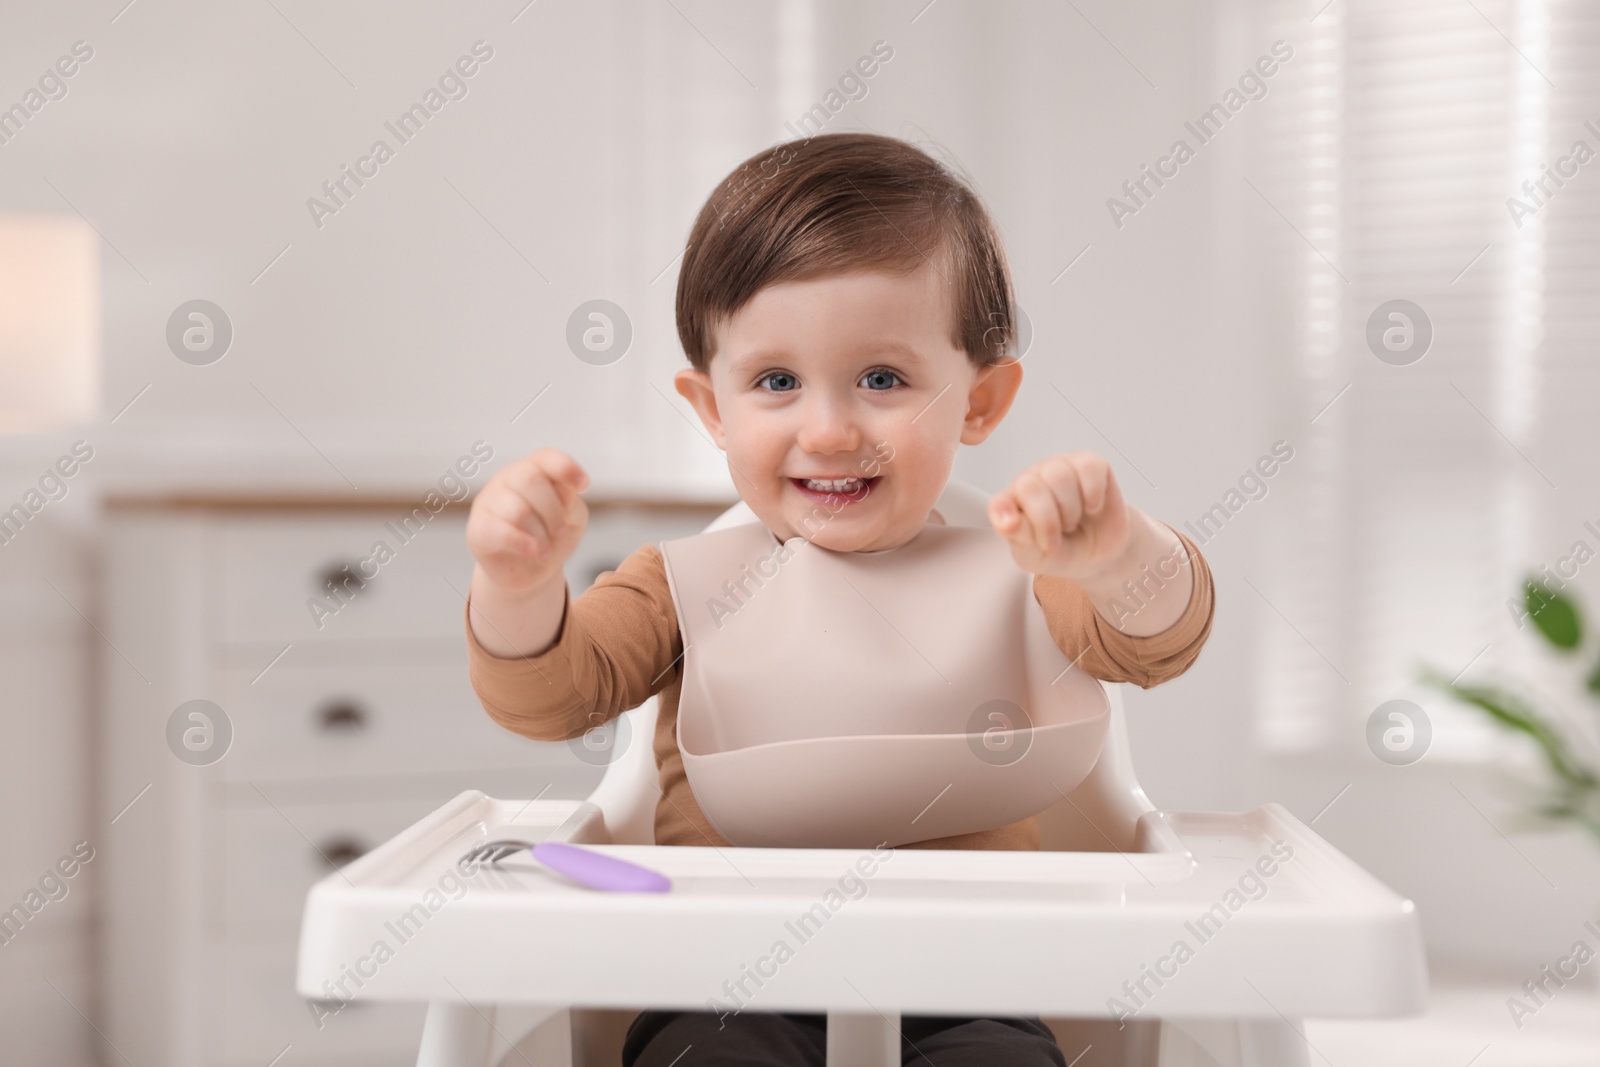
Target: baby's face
(840,402)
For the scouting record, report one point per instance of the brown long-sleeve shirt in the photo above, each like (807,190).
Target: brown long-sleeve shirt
(619,644)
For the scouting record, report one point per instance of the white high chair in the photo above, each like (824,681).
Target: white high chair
(524,960)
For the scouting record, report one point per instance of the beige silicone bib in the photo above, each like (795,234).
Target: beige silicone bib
(848,699)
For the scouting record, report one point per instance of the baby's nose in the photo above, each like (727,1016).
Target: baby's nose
(829,428)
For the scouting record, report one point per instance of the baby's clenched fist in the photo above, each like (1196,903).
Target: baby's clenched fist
(1064,516)
(528,519)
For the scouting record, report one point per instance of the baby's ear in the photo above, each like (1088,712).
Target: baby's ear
(993,389)
(695,387)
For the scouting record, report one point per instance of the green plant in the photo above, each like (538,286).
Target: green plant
(1572,792)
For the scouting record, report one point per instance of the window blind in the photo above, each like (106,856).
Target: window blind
(1426,490)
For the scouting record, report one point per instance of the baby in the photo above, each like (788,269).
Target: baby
(847,312)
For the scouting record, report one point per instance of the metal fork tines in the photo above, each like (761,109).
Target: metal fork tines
(493,852)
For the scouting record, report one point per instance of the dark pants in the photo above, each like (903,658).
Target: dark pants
(705,1039)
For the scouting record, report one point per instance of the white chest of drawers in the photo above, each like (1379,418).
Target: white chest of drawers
(348,723)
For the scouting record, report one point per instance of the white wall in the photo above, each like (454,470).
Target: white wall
(46,795)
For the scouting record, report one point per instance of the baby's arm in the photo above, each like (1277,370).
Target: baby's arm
(1125,592)
(523,527)
(1086,633)
(1126,595)
(544,665)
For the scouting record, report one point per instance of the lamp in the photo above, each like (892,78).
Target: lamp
(49,322)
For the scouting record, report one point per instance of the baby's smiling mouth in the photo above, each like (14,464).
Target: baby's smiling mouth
(835,490)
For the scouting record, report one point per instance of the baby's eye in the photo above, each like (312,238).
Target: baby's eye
(779,381)
(880,379)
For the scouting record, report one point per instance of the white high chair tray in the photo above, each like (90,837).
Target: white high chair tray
(927,932)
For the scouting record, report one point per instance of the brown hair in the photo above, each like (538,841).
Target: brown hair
(839,202)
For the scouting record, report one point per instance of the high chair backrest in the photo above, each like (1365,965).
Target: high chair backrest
(1100,815)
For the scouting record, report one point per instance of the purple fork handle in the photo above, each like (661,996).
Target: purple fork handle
(599,871)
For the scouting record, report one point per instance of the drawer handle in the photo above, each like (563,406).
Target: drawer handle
(342,715)
(338,851)
(345,577)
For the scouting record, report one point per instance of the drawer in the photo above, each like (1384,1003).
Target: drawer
(263,859)
(397,580)
(615,533)
(297,722)
(269,857)
(273,586)
(260,1013)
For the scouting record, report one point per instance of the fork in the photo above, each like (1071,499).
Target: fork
(584,866)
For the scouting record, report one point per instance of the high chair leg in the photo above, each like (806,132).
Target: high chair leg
(1232,1043)
(454,1035)
(465,1035)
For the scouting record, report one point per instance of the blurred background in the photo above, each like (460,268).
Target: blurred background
(229,369)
